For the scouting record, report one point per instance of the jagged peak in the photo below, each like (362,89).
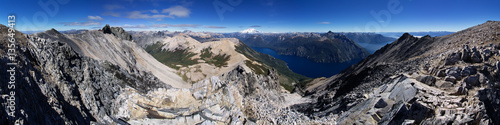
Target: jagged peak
(54,31)
(406,35)
(119,32)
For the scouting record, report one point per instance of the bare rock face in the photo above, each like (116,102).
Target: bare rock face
(452,58)
(117,31)
(427,79)
(56,85)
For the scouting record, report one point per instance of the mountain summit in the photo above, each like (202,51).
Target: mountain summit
(250,31)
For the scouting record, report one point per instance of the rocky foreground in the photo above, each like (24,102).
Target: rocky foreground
(454,79)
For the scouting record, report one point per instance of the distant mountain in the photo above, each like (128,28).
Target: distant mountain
(73,31)
(371,38)
(250,31)
(417,34)
(324,48)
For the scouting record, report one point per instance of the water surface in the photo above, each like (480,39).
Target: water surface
(306,67)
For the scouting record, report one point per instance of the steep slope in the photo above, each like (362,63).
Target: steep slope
(56,85)
(117,49)
(428,80)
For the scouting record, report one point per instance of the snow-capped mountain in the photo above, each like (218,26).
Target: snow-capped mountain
(250,30)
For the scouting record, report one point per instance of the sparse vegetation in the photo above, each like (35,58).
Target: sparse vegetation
(216,60)
(171,58)
(261,70)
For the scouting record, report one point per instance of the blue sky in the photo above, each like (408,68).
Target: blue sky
(263,15)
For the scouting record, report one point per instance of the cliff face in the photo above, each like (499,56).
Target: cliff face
(452,79)
(55,85)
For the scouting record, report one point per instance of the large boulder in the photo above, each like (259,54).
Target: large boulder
(476,56)
(403,91)
(117,31)
(455,72)
(380,103)
(427,79)
(468,70)
(466,55)
(487,53)
(452,58)
(450,79)
(472,80)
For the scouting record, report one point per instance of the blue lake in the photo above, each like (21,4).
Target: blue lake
(306,67)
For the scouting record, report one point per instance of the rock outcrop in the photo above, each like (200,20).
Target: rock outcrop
(117,31)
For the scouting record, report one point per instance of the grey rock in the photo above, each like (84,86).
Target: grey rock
(450,79)
(427,79)
(466,56)
(441,73)
(117,31)
(398,109)
(476,56)
(418,112)
(472,80)
(452,58)
(403,91)
(455,72)
(482,79)
(444,84)
(486,54)
(461,90)
(380,103)
(497,66)
(468,70)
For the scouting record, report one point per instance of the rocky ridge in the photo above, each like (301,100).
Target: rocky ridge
(416,81)
(56,85)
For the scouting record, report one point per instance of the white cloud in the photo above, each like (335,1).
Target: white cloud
(178,11)
(135,26)
(141,15)
(86,23)
(113,7)
(215,27)
(111,13)
(95,18)
(324,23)
(175,25)
(154,11)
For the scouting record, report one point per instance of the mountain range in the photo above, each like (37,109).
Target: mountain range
(111,76)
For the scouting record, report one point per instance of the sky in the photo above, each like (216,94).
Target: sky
(263,15)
